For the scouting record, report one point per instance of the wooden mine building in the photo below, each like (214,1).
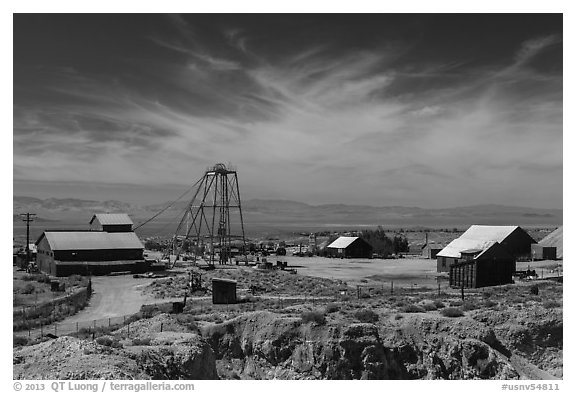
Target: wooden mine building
(349,247)
(106,248)
(492,265)
(479,237)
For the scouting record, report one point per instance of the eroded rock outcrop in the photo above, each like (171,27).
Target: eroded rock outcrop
(265,345)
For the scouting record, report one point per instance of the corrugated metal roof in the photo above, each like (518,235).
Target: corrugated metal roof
(489,232)
(554,239)
(92,240)
(112,219)
(342,242)
(477,237)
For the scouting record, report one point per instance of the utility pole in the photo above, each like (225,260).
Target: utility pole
(29,217)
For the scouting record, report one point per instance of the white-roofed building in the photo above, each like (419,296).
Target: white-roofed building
(349,247)
(480,237)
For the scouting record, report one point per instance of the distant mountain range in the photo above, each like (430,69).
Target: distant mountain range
(269,215)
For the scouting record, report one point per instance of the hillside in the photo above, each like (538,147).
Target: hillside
(262,216)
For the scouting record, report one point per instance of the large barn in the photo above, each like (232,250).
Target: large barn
(114,249)
(515,239)
(349,247)
(551,247)
(492,265)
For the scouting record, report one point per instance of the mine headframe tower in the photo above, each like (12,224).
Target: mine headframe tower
(207,221)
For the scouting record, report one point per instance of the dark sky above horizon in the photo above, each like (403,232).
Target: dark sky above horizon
(380,109)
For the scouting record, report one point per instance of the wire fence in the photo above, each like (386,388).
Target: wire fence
(203,309)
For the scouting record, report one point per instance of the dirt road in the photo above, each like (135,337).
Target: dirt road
(115,296)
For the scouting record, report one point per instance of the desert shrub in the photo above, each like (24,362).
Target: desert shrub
(104,340)
(332,307)
(313,316)
(516,299)
(367,316)
(140,341)
(452,312)
(247,299)
(467,306)
(412,308)
(429,306)
(20,341)
(364,295)
(400,303)
(551,304)
(489,303)
(28,289)
(439,304)
(534,289)
(455,303)
(108,342)
(398,316)
(486,295)
(43,278)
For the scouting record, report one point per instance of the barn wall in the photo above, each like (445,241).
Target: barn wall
(117,228)
(45,257)
(99,255)
(443,263)
(540,252)
(519,243)
(358,249)
(63,269)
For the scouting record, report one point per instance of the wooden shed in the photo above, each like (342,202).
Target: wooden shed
(349,247)
(478,268)
(223,291)
(513,238)
(430,251)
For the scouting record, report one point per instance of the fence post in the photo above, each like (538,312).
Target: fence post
(358,291)
(124,323)
(462,289)
(41,329)
(76,327)
(391,287)
(108,322)
(161,326)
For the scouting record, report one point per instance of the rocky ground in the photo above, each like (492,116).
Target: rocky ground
(508,332)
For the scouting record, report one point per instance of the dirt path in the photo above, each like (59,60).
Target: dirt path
(115,296)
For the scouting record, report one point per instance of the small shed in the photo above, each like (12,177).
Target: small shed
(430,251)
(349,247)
(478,268)
(223,291)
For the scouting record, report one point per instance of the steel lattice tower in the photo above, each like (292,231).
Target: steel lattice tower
(207,219)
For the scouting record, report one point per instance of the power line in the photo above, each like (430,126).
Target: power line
(167,207)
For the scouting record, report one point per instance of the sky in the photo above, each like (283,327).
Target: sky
(425,110)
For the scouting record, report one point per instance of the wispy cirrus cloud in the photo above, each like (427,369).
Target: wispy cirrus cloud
(356,125)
